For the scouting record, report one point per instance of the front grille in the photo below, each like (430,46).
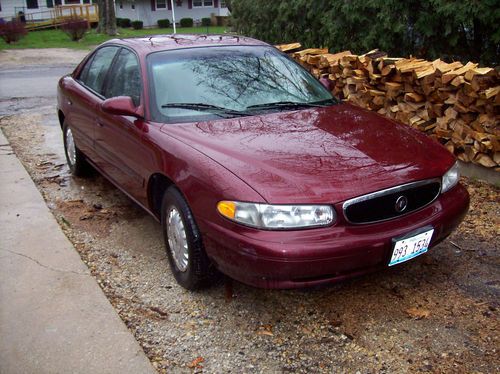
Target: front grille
(390,203)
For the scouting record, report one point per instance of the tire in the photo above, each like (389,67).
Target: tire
(190,265)
(78,165)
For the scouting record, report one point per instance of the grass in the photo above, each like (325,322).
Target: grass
(58,39)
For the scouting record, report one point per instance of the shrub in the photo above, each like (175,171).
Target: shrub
(12,31)
(137,25)
(164,23)
(124,22)
(221,20)
(206,22)
(75,28)
(186,22)
(118,21)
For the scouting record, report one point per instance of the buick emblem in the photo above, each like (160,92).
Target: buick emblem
(401,204)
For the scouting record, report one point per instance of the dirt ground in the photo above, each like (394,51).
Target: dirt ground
(437,313)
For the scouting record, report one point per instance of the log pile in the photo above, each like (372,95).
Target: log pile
(456,104)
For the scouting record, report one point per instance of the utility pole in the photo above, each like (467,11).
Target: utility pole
(173,14)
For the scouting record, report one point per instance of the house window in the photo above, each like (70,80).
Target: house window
(50,4)
(203,3)
(161,4)
(223,4)
(32,4)
(71,2)
(133,6)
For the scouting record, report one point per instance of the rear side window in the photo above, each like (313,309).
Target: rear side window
(94,72)
(125,78)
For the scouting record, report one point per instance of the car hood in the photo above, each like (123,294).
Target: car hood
(318,155)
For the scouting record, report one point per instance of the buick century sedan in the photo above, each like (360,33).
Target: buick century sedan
(250,164)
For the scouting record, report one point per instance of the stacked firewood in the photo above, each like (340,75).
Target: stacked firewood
(458,105)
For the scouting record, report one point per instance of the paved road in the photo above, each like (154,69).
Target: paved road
(32,81)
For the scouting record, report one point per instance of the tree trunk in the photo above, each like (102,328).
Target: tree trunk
(107,17)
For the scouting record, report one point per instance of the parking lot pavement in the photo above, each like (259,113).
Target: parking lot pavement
(54,318)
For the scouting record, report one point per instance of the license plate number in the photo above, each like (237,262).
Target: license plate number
(408,248)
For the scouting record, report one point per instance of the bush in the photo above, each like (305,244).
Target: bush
(123,22)
(425,28)
(75,28)
(12,31)
(137,25)
(221,20)
(206,22)
(186,22)
(163,23)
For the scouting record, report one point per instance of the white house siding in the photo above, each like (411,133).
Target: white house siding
(143,11)
(10,8)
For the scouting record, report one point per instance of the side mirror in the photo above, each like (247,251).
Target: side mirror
(326,83)
(120,105)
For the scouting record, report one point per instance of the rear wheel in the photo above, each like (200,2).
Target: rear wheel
(189,263)
(77,163)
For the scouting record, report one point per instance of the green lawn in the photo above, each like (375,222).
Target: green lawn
(58,39)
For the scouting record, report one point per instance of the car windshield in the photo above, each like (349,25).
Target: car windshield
(199,84)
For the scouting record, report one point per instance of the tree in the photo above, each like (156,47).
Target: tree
(449,29)
(107,17)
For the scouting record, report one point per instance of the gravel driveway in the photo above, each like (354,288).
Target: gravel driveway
(437,313)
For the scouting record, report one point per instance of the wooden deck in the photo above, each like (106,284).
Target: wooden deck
(61,13)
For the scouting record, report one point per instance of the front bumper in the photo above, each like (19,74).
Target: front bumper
(291,259)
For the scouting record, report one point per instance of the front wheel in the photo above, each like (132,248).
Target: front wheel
(77,163)
(189,263)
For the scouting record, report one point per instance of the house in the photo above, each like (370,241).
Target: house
(33,9)
(150,11)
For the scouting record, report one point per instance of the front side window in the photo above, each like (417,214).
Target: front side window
(125,78)
(94,72)
(161,4)
(239,80)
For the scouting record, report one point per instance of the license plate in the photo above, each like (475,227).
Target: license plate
(413,246)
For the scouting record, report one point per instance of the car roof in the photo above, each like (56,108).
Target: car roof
(155,43)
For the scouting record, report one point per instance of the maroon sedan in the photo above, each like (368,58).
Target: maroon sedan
(251,165)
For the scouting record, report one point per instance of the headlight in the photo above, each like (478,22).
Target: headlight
(450,178)
(277,217)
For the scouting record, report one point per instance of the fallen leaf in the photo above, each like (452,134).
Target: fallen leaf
(196,363)
(417,313)
(265,330)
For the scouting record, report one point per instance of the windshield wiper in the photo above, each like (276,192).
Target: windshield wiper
(223,112)
(292,104)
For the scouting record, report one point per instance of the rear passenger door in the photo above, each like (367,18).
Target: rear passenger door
(119,139)
(85,97)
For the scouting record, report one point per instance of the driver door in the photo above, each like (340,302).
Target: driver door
(119,139)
